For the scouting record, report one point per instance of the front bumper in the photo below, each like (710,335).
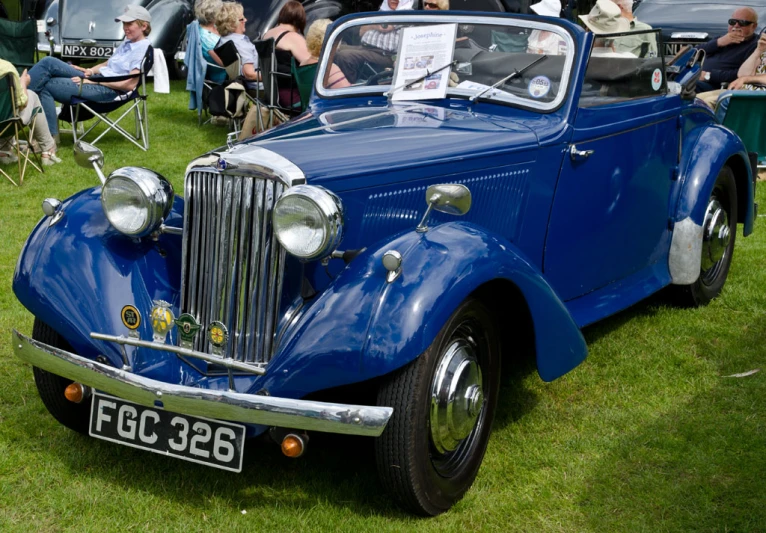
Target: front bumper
(223,405)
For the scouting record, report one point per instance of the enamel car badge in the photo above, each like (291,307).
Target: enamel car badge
(188,327)
(131,319)
(218,336)
(162,320)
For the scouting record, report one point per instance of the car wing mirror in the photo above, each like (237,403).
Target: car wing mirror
(86,155)
(450,198)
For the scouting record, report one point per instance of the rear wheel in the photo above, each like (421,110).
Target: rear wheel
(51,387)
(719,231)
(444,403)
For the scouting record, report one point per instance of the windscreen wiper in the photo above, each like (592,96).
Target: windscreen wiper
(507,78)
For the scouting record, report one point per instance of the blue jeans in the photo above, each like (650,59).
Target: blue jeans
(51,79)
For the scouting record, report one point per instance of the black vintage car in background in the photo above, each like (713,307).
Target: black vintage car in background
(692,21)
(85,29)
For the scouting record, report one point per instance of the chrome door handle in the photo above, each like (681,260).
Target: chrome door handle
(579,155)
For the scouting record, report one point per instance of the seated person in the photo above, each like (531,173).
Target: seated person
(433,5)
(334,79)
(205,11)
(605,17)
(56,81)
(635,44)
(26,102)
(379,43)
(724,55)
(289,43)
(546,42)
(230,22)
(751,76)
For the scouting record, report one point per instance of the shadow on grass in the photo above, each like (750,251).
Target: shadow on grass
(697,467)
(338,471)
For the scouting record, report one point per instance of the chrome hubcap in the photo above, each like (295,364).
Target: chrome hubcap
(457,397)
(715,237)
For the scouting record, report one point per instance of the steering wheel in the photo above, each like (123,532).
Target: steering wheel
(383,74)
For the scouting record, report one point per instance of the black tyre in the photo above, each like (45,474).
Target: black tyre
(719,233)
(429,455)
(177,70)
(51,387)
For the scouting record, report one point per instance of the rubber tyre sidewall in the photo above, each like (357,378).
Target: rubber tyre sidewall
(75,416)
(698,293)
(403,450)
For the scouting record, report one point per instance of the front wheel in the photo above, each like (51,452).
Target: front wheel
(75,416)
(444,403)
(719,231)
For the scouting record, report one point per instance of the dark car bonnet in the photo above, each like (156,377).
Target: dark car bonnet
(85,19)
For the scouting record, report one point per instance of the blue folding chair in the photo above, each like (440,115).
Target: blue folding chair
(80,109)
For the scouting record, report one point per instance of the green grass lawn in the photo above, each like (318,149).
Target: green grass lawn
(647,435)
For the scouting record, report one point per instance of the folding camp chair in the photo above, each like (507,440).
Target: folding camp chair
(198,81)
(304,78)
(10,121)
(79,109)
(270,76)
(742,112)
(18,42)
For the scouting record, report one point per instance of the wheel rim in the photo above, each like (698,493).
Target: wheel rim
(715,240)
(457,403)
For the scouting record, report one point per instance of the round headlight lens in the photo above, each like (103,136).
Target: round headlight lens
(308,221)
(136,200)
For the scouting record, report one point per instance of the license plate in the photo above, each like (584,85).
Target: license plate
(213,443)
(81,50)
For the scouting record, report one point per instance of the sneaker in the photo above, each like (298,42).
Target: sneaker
(50,158)
(6,158)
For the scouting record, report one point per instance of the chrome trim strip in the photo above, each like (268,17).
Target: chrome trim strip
(226,362)
(222,405)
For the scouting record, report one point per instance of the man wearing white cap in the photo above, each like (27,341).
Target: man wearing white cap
(546,42)
(56,81)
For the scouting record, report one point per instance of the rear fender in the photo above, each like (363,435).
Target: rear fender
(709,151)
(362,327)
(169,20)
(77,275)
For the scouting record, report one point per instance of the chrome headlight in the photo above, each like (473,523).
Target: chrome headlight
(136,200)
(308,221)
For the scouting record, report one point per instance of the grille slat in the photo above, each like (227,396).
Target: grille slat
(232,264)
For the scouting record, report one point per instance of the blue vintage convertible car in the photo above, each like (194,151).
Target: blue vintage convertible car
(406,237)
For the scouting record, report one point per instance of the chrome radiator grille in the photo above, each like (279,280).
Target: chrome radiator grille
(232,263)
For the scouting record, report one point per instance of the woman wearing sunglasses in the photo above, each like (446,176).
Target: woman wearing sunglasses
(724,55)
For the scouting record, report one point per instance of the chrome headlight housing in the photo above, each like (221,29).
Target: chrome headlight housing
(308,221)
(136,200)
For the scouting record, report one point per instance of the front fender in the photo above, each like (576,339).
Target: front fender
(362,327)
(78,274)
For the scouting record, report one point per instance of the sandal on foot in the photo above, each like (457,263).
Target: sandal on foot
(50,158)
(6,158)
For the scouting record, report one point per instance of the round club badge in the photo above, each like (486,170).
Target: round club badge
(539,86)
(130,316)
(656,79)
(217,334)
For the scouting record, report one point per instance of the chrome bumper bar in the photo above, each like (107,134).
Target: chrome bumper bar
(223,405)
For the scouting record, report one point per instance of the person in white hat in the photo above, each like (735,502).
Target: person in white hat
(606,17)
(546,42)
(56,81)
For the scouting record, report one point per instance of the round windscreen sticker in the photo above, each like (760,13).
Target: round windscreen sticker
(656,79)
(539,86)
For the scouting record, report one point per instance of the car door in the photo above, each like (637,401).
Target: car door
(609,218)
